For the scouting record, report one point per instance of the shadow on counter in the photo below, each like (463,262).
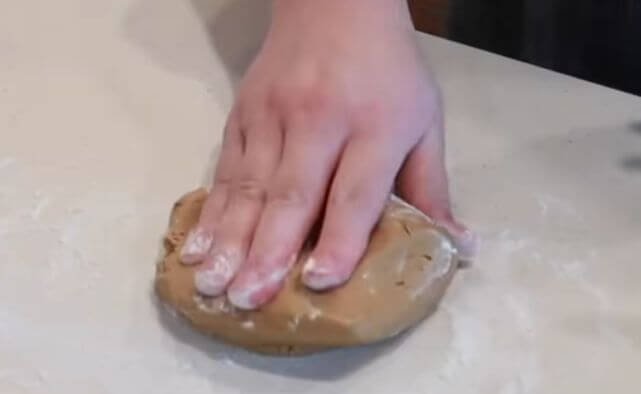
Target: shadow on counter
(633,162)
(200,35)
(326,366)
(236,32)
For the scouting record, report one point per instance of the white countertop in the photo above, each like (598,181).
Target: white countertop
(109,110)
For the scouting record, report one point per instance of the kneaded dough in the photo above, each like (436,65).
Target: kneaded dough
(402,277)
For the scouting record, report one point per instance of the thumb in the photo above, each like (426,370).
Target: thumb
(423,183)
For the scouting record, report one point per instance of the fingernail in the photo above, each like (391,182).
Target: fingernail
(256,288)
(465,241)
(217,272)
(196,246)
(468,245)
(317,277)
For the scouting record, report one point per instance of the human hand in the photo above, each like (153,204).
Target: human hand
(336,110)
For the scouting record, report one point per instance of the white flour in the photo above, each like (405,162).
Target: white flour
(481,310)
(6,162)
(41,204)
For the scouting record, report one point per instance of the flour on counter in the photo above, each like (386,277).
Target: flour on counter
(552,205)
(6,162)
(41,204)
(491,303)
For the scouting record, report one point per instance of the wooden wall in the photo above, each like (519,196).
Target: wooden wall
(430,16)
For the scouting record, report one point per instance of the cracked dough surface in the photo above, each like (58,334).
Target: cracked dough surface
(399,282)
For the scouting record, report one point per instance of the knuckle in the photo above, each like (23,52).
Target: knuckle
(359,200)
(310,98)
(222,181)
(369,117)
(348,198)
(250,189)
(295,196)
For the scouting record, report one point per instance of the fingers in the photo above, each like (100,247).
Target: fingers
(423,183)
(233,234)
(293,205)
(361,186)
(199,241)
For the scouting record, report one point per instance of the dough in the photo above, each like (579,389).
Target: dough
(399,282)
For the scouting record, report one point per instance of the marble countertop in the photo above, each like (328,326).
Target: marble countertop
(110,110)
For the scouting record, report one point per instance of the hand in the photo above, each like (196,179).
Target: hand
(335,111)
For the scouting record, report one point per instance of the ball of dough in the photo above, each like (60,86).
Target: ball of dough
(400,280)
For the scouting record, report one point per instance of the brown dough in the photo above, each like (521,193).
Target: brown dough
(399,282)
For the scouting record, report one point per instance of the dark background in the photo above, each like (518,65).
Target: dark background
(597,40)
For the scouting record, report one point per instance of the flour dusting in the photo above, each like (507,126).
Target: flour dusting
(41,204)
(196,245)
(294,322)
(248,325)
(314,313)
(489,305)
(6,162)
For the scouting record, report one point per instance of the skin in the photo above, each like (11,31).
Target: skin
(336,111)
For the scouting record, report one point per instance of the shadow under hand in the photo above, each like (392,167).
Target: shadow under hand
(632,163)
(187,37)
(326,366)
(236,31)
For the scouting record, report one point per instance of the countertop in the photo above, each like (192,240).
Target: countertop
(110,110)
